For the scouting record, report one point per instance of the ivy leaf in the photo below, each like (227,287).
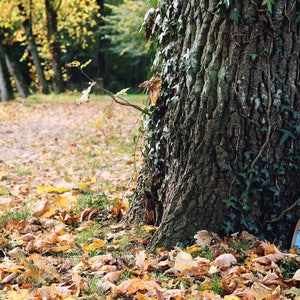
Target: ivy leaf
(226,3)
(269,4)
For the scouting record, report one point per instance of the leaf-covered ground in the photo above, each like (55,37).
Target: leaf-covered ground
(66,175)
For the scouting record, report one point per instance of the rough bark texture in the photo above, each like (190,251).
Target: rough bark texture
(33,49)
(226,121)
(54,47)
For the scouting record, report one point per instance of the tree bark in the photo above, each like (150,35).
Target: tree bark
(27,25)
(17,75)
(223,139)
(5,85)
(54,47)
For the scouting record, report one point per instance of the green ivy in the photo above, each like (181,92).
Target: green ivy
(269,4)
(264,185)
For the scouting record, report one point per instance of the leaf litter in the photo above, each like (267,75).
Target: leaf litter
(66,176)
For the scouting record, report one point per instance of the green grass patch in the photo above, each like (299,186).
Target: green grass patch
(73,96)
(19,215)
(23,172)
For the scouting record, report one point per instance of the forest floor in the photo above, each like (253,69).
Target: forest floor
(66,176)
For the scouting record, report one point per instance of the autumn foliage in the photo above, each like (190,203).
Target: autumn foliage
(66,177)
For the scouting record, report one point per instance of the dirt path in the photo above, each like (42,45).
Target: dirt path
(62,144)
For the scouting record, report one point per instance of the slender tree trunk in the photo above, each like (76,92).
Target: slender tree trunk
(223,140)
(17,75)
(33,49)
(54,47)
(5,85)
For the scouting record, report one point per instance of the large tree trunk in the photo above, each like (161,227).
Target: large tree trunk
(54,46)
(6,92)
(223,139)
(33,49)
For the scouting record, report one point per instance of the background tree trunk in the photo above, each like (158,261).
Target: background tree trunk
(54,46)
(6,92)
(223,139)
(15,72)
(33,49)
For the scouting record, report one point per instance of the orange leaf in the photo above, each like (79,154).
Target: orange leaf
(154,87)
(131,286)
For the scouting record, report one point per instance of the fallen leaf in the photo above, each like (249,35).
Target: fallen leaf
(225,260)
(270,258)
(131,286)
(140,260)
(206,238)
(184,260)
(297,275)
(52,189)
(149,228)
(97,244)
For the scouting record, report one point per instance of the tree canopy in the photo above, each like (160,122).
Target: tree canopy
(79,34)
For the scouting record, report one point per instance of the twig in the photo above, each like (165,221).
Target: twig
(117,99)
(284,212)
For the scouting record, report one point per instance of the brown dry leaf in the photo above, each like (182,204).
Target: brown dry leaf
(297,275)
(45,264)
(270,278)
(270,258)
(184,260)
(6,203)
(225,260)
(7,279)
(140,260)
(41,207)
(260,291)
(206,238)
(154,87)
(113,276)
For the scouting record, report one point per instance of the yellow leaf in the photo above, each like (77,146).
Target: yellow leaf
(49,213)
(61,248)
(51,189)
(74,63)
(65,202)
(83,185)
(19,295)
(149,228)
(231,297)
(192,249)
(97,244)
(84,64)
